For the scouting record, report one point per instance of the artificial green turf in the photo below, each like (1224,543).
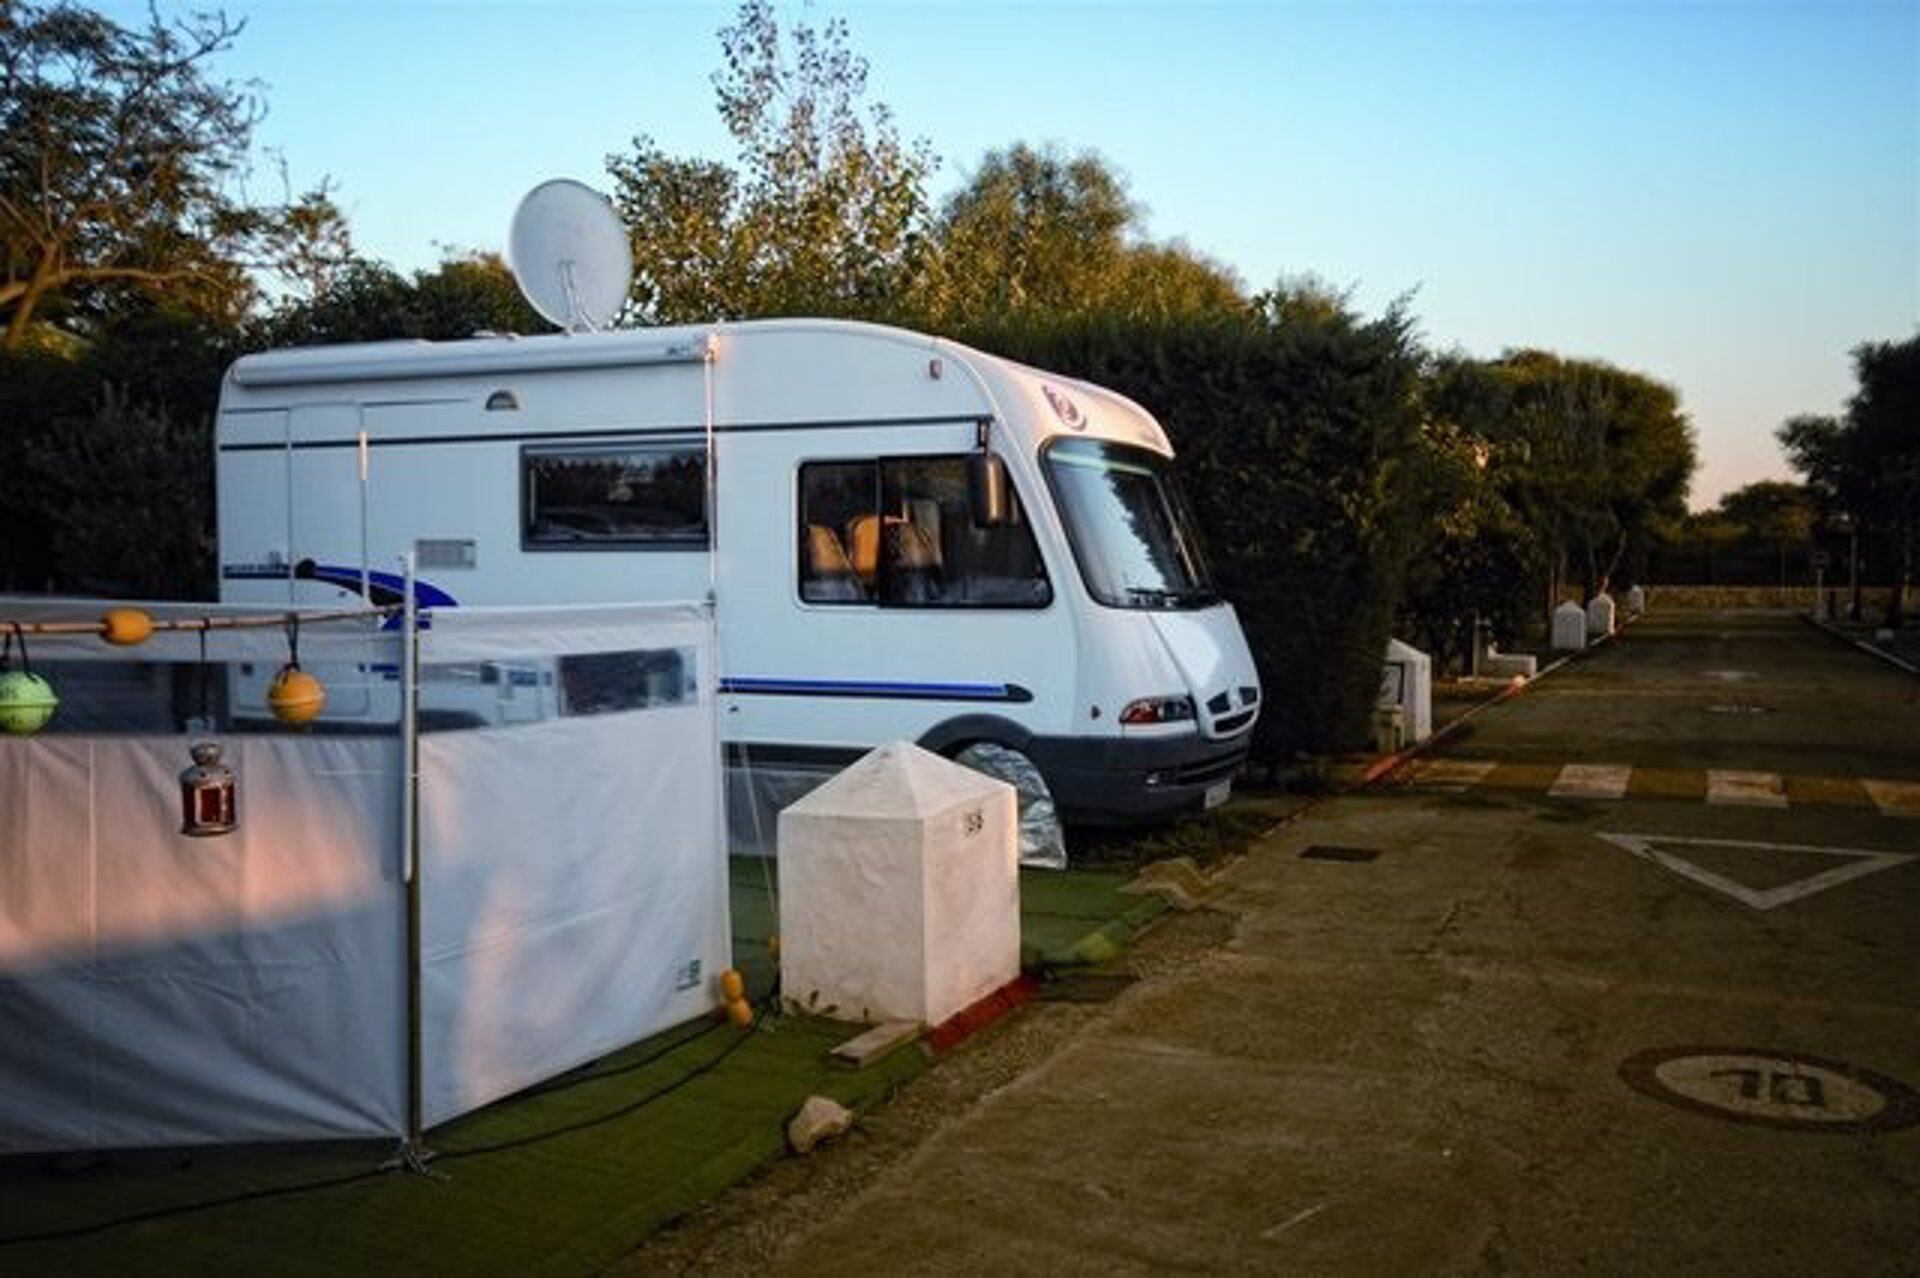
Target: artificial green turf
(562,1202)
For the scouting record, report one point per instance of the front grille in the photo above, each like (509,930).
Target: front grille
(1229,724)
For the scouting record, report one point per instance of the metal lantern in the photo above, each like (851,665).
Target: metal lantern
(207,793)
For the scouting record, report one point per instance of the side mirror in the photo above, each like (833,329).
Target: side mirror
(988,493)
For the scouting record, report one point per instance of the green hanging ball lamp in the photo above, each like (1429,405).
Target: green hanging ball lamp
(26,700)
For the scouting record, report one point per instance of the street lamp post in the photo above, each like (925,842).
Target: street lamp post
(1845,522)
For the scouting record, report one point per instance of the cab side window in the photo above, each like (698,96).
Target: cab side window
(900,532)
(838,501)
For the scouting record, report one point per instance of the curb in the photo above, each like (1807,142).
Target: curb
(1827,627)
(973,1018)
(1111,939)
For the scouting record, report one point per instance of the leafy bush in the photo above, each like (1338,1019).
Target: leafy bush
(125,495)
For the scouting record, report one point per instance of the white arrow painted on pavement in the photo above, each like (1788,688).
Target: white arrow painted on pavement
(1861,862)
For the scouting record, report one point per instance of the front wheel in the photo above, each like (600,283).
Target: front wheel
(1043,843)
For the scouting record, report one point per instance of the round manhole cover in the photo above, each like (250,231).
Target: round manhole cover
(1728,708)
(1787,1090)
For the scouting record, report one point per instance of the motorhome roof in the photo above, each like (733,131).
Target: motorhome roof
(385,361)
(378,362)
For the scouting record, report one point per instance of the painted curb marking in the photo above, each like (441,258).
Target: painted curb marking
(1746,789)
(1436,774)
(1862,863)
(1591,781)
(1895,798)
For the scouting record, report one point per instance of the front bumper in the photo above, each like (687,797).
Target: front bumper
(1127,781)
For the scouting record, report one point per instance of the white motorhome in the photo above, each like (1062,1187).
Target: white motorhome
(904,537)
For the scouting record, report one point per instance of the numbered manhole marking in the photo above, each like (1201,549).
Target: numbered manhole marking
(1790,1091)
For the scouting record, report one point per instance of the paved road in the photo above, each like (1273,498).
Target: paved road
(1667,858)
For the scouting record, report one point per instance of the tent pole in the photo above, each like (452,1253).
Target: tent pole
(413,1154)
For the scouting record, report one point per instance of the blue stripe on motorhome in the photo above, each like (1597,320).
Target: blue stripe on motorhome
(382,589)
(391,585)
(876,689)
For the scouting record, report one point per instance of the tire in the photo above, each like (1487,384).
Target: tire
(1042,840)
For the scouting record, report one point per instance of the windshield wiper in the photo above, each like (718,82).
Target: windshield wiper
(1160,597)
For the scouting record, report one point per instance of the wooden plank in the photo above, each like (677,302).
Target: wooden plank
(882,1040)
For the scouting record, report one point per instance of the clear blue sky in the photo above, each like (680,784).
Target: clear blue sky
(1723,195)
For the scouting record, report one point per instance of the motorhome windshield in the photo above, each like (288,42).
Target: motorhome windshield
(1131,531)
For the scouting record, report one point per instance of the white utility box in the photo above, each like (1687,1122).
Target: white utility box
(1407,682)
(1569,627)
(1600,615)
(1636,600)
(899,889)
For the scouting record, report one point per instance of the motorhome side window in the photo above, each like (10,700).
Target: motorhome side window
(578,497)
(900,532)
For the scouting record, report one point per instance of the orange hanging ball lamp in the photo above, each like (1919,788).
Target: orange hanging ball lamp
(296,697)
(126,627)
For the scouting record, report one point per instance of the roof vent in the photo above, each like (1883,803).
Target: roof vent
(502,401)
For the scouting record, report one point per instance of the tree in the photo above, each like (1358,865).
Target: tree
(1780,514)
(1040,232)
(116,154)
(306,242)
(825,212)
(125,494)
(369,302)
(1477,556)
(1868,463)
(1605,457)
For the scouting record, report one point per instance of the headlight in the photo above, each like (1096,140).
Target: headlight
(1158,710)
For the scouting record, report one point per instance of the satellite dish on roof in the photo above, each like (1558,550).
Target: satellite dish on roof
(569,254)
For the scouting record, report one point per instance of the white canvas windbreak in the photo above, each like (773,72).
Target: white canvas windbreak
(572,874)
(158,989)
